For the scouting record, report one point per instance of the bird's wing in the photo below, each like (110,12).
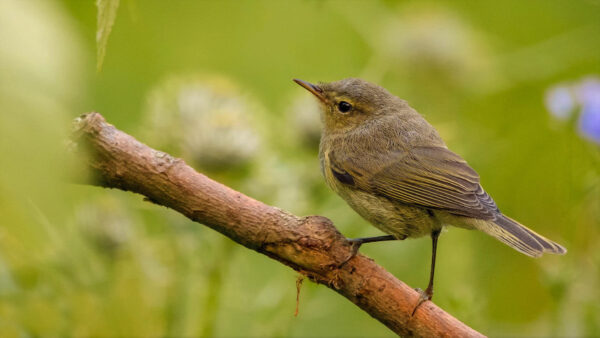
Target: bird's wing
(430,177)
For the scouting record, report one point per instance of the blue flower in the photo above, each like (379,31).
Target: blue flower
(588,94)
(588,91)
(589,121)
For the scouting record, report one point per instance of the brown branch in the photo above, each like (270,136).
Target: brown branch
(310,245)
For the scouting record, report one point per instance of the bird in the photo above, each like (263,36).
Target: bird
(392,167)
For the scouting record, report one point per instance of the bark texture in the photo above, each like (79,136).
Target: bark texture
(310,245)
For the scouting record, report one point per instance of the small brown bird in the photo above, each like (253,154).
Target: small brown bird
(394,170)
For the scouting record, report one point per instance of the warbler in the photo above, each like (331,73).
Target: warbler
(392,167)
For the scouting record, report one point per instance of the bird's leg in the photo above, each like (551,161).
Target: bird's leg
(357,242)
(428,293)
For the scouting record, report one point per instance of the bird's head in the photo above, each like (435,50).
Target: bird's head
(349,103)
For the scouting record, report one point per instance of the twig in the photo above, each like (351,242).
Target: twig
(299,281)
(310,245)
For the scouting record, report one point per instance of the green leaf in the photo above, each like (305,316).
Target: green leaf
(107,13)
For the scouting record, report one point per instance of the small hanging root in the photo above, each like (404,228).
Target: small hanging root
(298,287)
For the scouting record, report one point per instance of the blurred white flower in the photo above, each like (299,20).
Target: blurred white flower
(106,222)
(205,119)
(426,37)
(560,101)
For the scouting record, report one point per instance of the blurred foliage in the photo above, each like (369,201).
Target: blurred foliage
(107,14)
(77,260)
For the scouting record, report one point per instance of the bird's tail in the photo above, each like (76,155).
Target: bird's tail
(520,238)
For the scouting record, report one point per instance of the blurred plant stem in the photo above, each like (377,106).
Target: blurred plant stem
(216,275)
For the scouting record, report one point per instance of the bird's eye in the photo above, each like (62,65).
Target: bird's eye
(344,106)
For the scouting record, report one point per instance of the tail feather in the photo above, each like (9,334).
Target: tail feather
(520,237)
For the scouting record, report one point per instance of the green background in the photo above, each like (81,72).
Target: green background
(77,260)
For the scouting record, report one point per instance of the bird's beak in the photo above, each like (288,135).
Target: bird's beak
(316,90)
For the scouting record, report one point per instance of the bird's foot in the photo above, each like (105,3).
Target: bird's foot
(423,297)
(355,244)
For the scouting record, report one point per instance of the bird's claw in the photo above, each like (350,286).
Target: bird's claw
(354,246)
(423,297)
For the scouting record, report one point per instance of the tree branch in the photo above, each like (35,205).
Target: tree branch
(310,245)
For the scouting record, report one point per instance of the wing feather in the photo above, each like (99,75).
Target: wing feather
(431,177)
